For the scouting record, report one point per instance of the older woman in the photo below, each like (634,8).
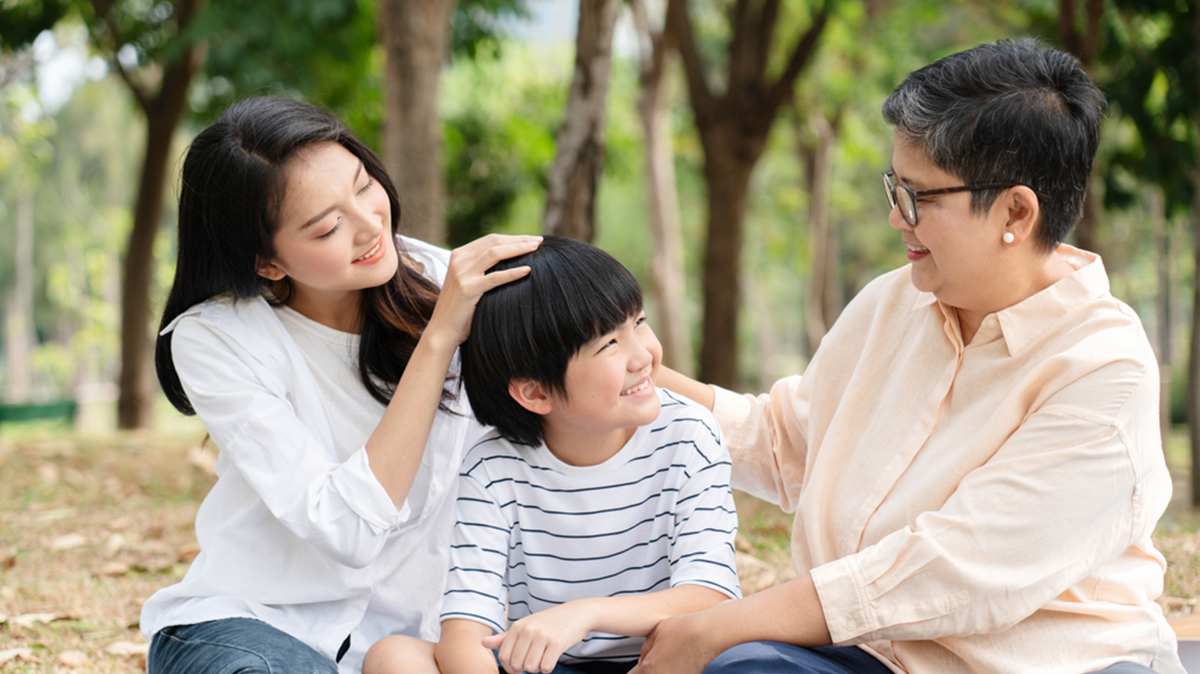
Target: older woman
(973,454)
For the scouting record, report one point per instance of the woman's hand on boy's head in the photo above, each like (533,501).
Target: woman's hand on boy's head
(467,280)
(536,642)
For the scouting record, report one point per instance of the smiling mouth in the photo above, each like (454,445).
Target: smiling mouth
(919,250)
(640,387)
(371,252)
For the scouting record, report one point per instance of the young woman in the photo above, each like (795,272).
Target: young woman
(318,347)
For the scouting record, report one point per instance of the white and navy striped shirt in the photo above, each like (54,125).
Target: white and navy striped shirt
(534,532)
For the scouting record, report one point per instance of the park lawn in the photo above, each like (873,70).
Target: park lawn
(92,524)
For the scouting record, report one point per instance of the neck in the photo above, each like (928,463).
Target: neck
(583,447)
(1043,272)
(338,311)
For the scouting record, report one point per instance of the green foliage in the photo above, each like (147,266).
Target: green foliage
(1155,84)
(324,51)
(22,21)
(479,23)
(500,114)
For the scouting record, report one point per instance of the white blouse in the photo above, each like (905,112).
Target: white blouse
(297,531)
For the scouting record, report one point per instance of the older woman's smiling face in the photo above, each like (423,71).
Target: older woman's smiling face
(956,254)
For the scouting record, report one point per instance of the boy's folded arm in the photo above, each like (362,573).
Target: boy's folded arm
(637,615)
(460,649)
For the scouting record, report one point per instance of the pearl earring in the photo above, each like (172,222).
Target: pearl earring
(1009,238)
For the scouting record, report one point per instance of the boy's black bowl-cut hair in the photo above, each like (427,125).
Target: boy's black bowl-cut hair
(532,327)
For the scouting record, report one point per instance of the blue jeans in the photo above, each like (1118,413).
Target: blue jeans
(771,657)
(597,667)
(232,645)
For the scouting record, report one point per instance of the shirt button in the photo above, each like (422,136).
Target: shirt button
(851,625)
(992,322)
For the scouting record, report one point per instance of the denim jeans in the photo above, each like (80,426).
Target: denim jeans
(596,667)
(240,645)
(770,657)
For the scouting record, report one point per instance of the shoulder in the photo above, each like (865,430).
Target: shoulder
(234,330)
(688,426)
(492,455)
(436,260)
(243,320)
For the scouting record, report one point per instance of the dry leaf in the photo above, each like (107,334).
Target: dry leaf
(113,569)
(114,543)
(22,654)
(119,524)
(49,473)
(68,542)
(72,659)
(188,552)
(127,648)
(8,559)
(28,619)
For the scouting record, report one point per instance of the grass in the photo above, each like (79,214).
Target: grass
(92,524)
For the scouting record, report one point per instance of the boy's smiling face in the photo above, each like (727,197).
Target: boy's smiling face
(610,392)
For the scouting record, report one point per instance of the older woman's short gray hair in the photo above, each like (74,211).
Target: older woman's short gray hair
(1013,111)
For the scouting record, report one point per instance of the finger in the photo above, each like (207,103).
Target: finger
(514,660)
(499,278)
(493,641)
(504,251)
(549,660)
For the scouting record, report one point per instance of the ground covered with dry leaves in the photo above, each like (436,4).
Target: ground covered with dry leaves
(91,525)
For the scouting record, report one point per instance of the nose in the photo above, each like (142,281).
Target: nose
(897,221)
(367,223)
(645,348)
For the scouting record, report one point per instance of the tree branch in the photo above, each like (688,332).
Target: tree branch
(800,57)
(679,27)
(103,13)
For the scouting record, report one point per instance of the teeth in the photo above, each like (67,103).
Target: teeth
(640,387)
(918,249)
(371,252)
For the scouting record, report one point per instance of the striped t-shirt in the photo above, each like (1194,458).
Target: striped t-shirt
(534,532)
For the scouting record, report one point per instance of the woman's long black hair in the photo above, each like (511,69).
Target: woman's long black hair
(230,194)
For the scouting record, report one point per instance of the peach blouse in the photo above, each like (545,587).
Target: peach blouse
(982,507)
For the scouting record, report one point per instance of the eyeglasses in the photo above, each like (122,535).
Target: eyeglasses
(906,197)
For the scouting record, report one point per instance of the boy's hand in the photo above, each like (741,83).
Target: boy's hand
(535,643)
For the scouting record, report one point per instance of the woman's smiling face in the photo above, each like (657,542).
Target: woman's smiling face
(334,237)
(955,252)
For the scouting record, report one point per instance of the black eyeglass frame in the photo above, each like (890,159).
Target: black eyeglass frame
(890,187)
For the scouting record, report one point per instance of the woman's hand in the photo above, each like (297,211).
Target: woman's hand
(467,281)
(678,646)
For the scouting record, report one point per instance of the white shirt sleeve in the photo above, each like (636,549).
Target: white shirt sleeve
(338,507)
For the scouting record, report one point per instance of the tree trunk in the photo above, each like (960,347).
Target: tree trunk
(580,152)
(1084,45)
(727,174)
(19,336)
(733,127)
(823,304)
(666,269)
(414,35)
(1194,351)
(135,403)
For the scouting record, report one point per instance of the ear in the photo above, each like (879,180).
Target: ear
(1023,213)
(269,270)
(530,395)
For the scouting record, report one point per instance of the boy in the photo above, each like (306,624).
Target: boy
(601,504)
